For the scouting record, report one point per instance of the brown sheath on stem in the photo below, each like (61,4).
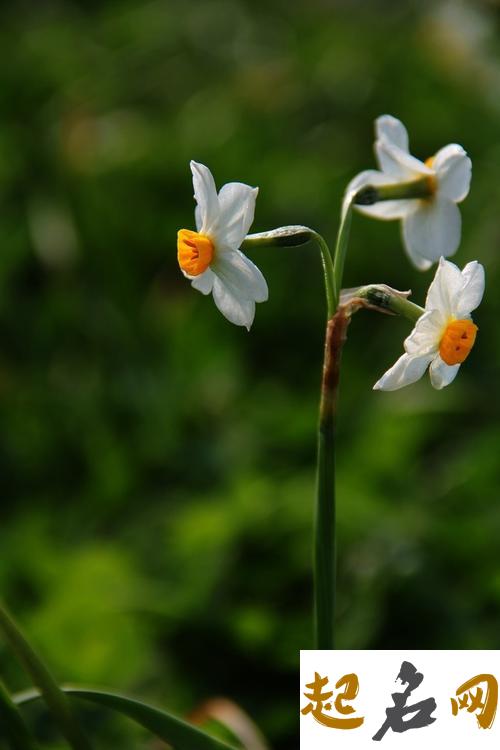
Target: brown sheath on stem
(336,334)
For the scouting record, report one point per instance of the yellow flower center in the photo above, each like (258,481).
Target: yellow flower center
(195,251)
(457,341)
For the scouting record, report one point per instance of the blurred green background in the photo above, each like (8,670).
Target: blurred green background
(157,463)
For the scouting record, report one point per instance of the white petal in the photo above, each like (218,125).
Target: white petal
(204,282)
(471,293)
(236,309)
(431,231)
(384,209)
(441,373)
(392,130)
(241,275)
(425,337)
(453,169)
(446,285)
(205,194)
(418,260)
(398,163)
(237,205)
(198,218)
(408,369)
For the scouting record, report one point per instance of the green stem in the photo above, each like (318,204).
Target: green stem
(14,730)
(325,546)
(328,270)
(324,534)
(54,697)
(325,520)
(293,236)
(341,247)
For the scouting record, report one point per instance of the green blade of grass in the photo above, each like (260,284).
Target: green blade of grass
(55,699)
(179,734)
(12,725)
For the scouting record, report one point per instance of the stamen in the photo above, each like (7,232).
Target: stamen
(457,341)
(195,251)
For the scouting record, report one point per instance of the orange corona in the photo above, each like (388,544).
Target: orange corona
(457,341)
(195,251)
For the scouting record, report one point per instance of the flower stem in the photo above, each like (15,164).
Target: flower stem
(293,236)
(55,699)
(325,547)
(341,247)
(326,259)
(324,532)
(337,321)
(325,520)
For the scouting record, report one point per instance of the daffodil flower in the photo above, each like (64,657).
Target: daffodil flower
(210,257)
(431,222)
(444,335)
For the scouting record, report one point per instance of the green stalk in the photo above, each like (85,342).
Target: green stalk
(341,247)
(55,699)
(13,728)
(384,298)
(324,532)
(337,320)
(328,270)
(293,236)
(325,518)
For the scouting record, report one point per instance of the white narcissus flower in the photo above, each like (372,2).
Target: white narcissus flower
(210,257)
(431,226)
(444,335)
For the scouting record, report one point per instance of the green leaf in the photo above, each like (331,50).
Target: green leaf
(12,725)
(178,734)
(52,695)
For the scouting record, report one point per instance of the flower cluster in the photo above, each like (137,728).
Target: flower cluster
(423,195)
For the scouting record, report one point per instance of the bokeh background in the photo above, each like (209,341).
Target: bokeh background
(156,462)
